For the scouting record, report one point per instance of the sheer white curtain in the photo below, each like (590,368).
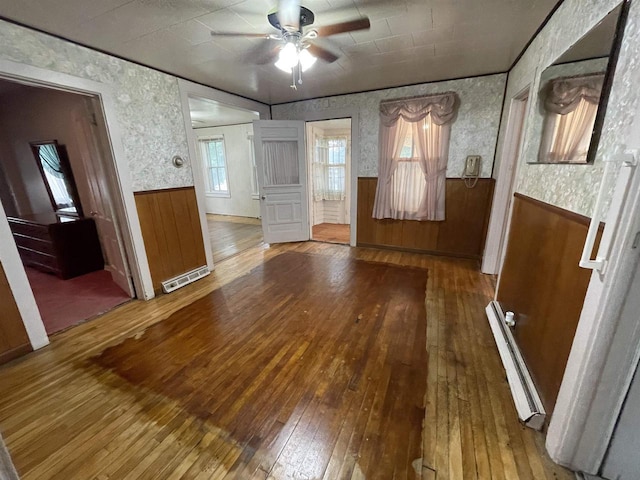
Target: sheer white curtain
(411,185)
(281,163)
(571,105)
(329,168)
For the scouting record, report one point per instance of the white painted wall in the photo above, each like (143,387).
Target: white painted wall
(237,146)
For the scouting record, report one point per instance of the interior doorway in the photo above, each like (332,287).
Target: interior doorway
(225,161)
(57,192)
(329,161)
(495,248)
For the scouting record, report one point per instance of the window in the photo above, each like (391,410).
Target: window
(414,150)
(215,165)
(407,181)
(329,168)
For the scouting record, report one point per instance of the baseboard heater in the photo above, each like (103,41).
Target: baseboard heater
(174,283)
(525,395)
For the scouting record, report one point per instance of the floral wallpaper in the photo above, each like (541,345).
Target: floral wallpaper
(148,102)
(473,133)
(575,187)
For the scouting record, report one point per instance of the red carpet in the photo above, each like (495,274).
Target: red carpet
(64,303)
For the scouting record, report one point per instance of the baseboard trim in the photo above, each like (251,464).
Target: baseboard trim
(6,357)
(524,393)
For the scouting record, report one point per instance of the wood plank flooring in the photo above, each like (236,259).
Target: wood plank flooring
(231,235)
(331,232)
(130,395)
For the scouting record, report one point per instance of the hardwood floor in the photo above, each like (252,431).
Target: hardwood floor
(251,373)
(331,233)
(231,235)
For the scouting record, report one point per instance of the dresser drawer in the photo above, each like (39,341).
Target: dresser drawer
(30,230)
(32,243)
(39,260)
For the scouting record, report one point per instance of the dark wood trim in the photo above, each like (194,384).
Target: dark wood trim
(575,217)
(164,190)
(172,232)
(14,340)
(14,353)
(536,33)
(462,233)
(120,57)
(542,283)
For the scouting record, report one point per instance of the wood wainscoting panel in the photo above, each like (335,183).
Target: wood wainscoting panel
(171,230)
(543,285)
(462,233)
(14,341)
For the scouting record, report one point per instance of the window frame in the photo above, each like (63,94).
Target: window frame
(207,168)
(327,166)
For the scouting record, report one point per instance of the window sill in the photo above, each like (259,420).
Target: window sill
(218,195)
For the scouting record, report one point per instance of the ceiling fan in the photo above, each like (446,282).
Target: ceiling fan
(294,47)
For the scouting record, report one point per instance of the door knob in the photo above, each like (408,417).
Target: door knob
(94,214)
(263,197)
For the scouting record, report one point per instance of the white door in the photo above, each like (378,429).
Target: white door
(85,123)
(282,178)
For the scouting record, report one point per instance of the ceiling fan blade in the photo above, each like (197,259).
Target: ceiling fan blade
(322,53)
(263,53)
(343,27)
(240,34)
(289,15)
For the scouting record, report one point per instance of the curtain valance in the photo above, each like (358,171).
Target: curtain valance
(563,95)
(441,107)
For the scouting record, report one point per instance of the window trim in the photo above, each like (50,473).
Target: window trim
(326,166)
(209,191)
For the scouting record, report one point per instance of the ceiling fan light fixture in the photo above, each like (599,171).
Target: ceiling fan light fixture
(288,57)
(306,60)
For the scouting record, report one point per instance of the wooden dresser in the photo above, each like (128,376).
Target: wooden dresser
(62,245)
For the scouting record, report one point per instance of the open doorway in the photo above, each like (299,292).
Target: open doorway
(224,147)
(495,248)
(57,194)
(329,157)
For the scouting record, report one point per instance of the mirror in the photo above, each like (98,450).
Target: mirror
(571,99)
(57,176)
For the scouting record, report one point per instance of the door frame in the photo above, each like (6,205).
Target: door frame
(124,202)
(189,89)
(334,114)
(310,152)
(500,219)
(593,388)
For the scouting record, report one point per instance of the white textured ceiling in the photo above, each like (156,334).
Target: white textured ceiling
(410,41)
